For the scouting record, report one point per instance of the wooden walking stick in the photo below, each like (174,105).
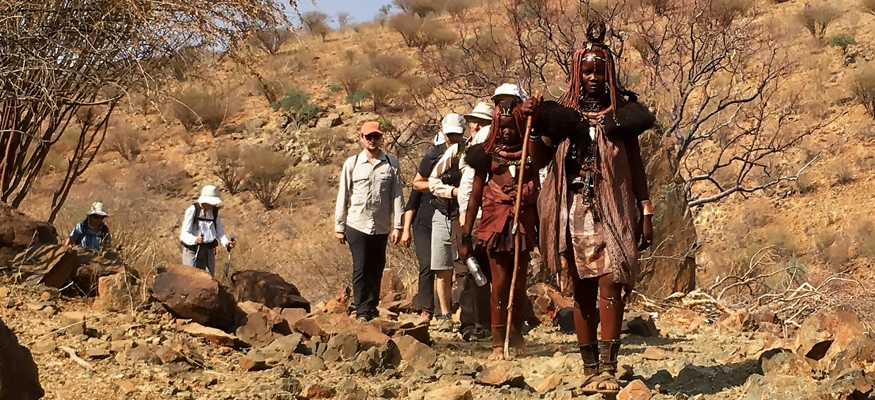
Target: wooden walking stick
(516,230)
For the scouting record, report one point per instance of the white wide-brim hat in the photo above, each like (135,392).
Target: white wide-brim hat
(210,195)
(481,111)
(97,209)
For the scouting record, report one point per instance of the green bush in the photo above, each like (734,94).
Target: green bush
(355,98)
(297,104)
(817,18)
(842,41)
(352,77)
(334,88)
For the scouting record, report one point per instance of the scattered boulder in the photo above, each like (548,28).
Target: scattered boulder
(256,329)
(639,323)
(192,293)
(330,121)
(18,232)
(266,288)
(654,353)
(50,264)
(19,377)
(345,343)
(850,384)
(415,354)
(859,354)
(292,315)
(93,266)
(116,292)
(738,321)
(340,304)
(828,331)
(285,344)
(782,362)
(635,390)
(453,393)
(142,353)
(317,391)
(501,373)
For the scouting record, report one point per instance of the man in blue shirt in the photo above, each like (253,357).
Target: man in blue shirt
(92,233)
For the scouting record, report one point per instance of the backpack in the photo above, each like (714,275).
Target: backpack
(194,226)
(101,233)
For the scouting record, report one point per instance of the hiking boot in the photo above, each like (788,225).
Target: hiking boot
(444,323)
(474,334)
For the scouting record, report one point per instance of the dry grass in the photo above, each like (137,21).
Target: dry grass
(162,177)
(195,108)
(126,141)
(863,88)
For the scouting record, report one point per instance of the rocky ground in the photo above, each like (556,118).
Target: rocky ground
(147,355)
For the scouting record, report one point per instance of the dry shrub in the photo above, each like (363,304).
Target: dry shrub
(352,77)
(383,90)
(457,8)
(863,88)
(408,25)
(840,172)
(864,234)
(267,179)
(817,18)
(420,8)
(805,184)
(54,162)
(868,6)
(391,66)
(195,108)
(838,254)
(271,39)
(344,20)
(230,167)
(316,23)
(324,144)
(183,64)
(727,11)
(162,177)
(126,141)
(435,33)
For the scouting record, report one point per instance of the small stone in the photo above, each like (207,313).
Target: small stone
(636,390)
(142,353)
(549,383)
(97,353)
(501,373)
(626,372)
(640,324)
(73,323)
(654,353)
(453,393)
(253,361)
(126,386)
(44,346)
(318,391)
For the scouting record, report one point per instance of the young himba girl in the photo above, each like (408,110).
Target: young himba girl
(497,165)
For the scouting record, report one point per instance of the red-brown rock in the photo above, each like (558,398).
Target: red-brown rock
(19,377)
(547,301)
(192,293)
(266,288)
(501,373)
(391,285)
(52,264)
(292,315)
(635,390)
(340,303)
(317,391)
(828,332)
(212,335)
(93,266)
(18,231)
(115,293)
(257,330)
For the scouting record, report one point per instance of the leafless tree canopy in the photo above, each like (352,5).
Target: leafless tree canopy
(70,61)
(711,72)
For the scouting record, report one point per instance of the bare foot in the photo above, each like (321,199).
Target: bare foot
(497,354)
(519,347)
(610,383)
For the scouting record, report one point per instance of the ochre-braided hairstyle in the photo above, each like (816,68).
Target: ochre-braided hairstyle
(491,145)
(595,34)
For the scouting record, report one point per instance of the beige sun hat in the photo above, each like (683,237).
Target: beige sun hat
(509,89)
(210,195)
(481,111)
(97,209)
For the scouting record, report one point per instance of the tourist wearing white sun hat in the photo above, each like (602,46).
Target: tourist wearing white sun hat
(92,232)
(202,231)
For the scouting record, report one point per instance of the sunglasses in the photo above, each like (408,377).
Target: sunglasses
(373,137)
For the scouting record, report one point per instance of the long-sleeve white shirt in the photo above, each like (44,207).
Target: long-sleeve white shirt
(369,199)
(205,226)
(466,186)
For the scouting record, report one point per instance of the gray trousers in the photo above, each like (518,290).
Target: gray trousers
(442,253)
(206,259)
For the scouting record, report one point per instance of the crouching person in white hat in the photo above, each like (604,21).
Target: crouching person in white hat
(202,231)
(92,232)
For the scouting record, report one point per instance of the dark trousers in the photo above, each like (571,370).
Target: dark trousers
(368,261)
(473,299)
(422,244)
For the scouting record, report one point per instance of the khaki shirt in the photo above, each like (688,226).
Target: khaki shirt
(369,199)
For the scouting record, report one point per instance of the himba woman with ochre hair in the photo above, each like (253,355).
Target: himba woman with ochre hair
(595,212)
(497,163)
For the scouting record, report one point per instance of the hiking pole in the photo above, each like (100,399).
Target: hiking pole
(196,252)
(228,264)
(516,231)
